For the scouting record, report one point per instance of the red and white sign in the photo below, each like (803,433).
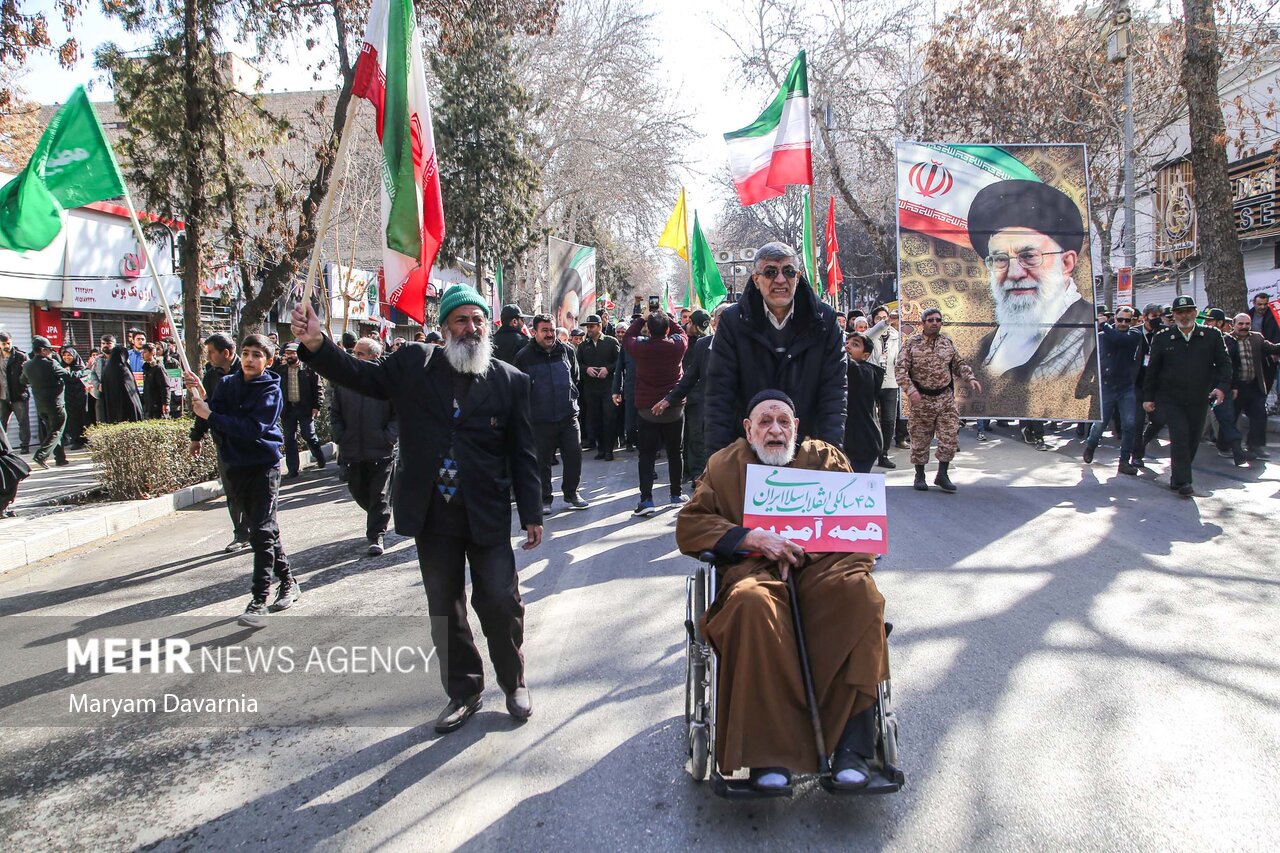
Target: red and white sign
(47,323)
(1124,287)
(822,511)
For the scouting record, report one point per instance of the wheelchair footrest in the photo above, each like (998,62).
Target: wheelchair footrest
(742,789)
(887,781)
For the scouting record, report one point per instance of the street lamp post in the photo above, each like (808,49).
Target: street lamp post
(1118,51)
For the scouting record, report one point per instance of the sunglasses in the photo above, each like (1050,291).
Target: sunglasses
(771,273)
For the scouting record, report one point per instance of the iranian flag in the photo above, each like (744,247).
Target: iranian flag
(937,183)
(389,75)
(774,150)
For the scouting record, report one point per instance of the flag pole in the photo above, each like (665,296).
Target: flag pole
(155,277)
(692,297)
(326,207)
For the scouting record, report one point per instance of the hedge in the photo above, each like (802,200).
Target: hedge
(149,458)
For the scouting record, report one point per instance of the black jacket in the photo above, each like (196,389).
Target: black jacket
(492,439)
(601,353)
(362,427)
(17,386)
(310,396)
(692,387)
(507,343)
(1144,353)
(47,379)
(210,379)
(743,362)
(1185,371)
(1270,328)
(862,438)
(1119,355)
(1260,348)
(155,389)
(553,378)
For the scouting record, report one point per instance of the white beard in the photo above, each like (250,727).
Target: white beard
(772,456)
(1022,322)
(469,358)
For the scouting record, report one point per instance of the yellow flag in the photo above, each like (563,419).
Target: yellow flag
(676,234)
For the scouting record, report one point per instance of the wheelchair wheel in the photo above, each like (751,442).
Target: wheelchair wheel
(699,751)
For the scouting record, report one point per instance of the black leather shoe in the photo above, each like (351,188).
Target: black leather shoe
(1088,453)
(457,712)
(885,462)
(520,703)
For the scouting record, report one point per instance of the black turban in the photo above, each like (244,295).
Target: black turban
(1025,204)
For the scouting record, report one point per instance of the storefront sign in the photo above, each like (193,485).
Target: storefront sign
(47,323)
(1253,195)
(105,270)
(1175,214)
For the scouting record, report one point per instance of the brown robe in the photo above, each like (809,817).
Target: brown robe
(761,714)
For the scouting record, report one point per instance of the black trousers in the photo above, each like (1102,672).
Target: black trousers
(369,482)
(652,436)
(52,420)
(599,417)
(256,491)
(862,466)
(565,436)
(695,444)
(1252,403)
(1186,426)
(495,597)
(295,420)
(887,406)
(234,509)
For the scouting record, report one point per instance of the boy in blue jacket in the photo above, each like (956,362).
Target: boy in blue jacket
(244,410)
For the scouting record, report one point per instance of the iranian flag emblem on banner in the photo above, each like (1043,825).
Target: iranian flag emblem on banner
(937,183)
(774,150)
(389,75)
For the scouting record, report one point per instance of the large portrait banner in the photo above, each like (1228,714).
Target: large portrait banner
(572,276)
(997,238)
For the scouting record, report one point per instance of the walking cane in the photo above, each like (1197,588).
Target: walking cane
(824,766)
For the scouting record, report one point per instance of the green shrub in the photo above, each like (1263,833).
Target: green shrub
(149,458)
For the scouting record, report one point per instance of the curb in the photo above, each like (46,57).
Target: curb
(47,536)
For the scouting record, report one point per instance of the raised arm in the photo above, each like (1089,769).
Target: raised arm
(377,379)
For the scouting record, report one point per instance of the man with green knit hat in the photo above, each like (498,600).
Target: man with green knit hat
(466,444)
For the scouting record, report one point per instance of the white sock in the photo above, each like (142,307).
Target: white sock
(772,780)
(850,777)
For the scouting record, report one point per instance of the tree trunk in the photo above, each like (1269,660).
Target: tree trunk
(1215,218)
(193,248)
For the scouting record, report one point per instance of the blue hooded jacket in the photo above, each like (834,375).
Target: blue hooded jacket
(246,414)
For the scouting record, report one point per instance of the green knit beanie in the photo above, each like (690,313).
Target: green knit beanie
(458,295)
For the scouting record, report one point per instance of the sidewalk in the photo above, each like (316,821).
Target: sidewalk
(47,524)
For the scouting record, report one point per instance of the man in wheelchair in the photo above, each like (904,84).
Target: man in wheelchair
(763,717)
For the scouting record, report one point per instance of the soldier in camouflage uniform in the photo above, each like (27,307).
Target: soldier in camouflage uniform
(926,365)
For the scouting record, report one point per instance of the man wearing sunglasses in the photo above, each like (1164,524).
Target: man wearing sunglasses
(1030,235)
(927,367)
(1118,348)
(778,335)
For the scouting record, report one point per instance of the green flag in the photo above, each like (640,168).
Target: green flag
(810,258)
(72,166)
(706,275)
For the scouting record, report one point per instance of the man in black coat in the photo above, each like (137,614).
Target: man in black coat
(220,360)
(510,337)
(365,431)
(300,387)
(553,408)
(1189,366)
(778,335)
(14,396)
(466,444)
(597,359)
(48,380)
(1263,321)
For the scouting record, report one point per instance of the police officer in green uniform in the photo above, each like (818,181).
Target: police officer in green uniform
(1189,367)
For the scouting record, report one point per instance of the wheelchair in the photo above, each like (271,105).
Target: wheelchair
(700,707)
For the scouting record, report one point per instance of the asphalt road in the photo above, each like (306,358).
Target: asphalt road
(1081,661)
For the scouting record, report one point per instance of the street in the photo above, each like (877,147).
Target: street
(1081,660)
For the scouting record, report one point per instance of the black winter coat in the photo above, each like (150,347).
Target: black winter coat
(310,397)
(362,427)
(811,370)
(210,379)
(692,387)
(17,388)
(862,438)
(492,438)
(46,378)
(507,343)
(155,390)
(601,353)
(553,377)
(1119,353)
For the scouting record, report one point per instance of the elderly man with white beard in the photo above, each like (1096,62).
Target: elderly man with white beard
(465,444)
(762,715)
(1030,235)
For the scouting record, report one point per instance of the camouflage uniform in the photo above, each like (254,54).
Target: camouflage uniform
(931,363)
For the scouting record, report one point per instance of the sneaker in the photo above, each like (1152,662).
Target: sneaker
(40,462)
(255,615)
(1259,452)
(375,546)
(982,436)
(645,508)
(677,500)
(287,595)
(576,502)
(236,545)
(546,506)
(1040,444)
